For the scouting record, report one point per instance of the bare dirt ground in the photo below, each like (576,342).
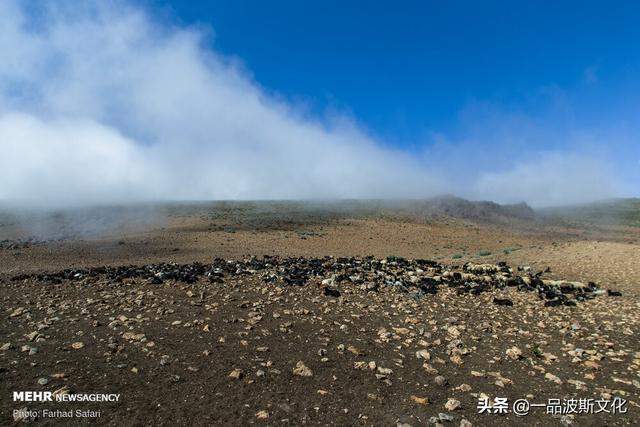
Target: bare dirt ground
(347,345)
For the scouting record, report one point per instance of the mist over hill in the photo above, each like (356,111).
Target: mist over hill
(623,211)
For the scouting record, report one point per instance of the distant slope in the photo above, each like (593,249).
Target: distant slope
(320,210)
(606,212)
(476,210)
(95,221)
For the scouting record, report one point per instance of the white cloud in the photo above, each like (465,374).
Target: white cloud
(69,161)
(549,179)
(101,103)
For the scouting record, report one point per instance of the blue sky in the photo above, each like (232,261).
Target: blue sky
(161,99)
(405,69)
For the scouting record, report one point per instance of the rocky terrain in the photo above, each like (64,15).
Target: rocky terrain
(278,318)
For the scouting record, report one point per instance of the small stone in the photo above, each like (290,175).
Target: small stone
(262,415)
(463,388)
(591,364)
(354,350)
(423,354)
(133,336)
(465,423)
(553,378)
(32,336)
(236,374)
(420,400)
(514,353)
(43,381)
(17,312)
(384,371)
(452,404)
(360,365)
(440,380)
(302,370)
(77,345)
(429,369)
(453,331)
(445,417)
